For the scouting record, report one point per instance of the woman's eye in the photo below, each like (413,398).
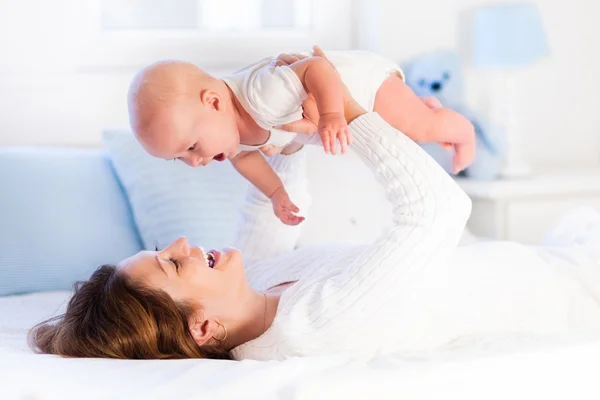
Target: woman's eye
(175,262)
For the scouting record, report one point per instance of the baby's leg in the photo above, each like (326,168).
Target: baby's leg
(401,108)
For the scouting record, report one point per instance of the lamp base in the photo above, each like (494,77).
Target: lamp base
(514,165)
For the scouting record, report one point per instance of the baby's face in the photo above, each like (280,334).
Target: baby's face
(193,134)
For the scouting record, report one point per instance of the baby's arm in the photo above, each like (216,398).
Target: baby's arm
(253,166)
(320,79)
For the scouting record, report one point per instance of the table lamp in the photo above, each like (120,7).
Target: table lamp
(507,37)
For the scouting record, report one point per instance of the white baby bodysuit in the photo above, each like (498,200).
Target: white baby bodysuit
(273,96)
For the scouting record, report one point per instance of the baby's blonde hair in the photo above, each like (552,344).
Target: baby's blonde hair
(160,86)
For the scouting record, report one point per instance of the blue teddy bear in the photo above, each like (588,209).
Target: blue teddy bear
(439,75)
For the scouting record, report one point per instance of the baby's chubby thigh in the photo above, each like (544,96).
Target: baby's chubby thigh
(400,107)
(365,74)
(388,93)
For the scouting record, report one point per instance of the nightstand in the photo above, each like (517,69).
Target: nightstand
(523,210)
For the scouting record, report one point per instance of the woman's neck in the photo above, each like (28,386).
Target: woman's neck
(257,317)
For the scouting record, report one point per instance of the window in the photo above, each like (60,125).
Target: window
(206,15)
(212,33)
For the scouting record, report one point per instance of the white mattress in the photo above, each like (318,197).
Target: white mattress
(500,368)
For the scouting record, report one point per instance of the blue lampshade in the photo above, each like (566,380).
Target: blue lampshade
(508,35)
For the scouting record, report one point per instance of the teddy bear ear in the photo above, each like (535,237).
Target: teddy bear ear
(407,67)
(450,60)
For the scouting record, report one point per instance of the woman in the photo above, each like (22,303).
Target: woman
(412,289)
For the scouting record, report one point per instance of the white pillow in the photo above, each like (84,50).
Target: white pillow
(169,199)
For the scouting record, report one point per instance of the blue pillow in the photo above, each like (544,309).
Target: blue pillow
(62,215)
(170,199)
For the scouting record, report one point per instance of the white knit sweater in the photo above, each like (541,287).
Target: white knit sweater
(412,289)
(340,291)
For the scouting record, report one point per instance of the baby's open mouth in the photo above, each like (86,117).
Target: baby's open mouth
(219,157)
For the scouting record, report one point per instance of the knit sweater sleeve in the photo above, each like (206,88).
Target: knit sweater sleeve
(429,215)
(259,233)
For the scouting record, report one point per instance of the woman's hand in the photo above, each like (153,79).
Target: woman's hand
(310,121)
(287,59)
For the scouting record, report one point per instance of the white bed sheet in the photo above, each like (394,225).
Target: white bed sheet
(500,368)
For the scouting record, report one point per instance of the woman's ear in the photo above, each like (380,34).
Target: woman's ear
(210,99)
(203,330)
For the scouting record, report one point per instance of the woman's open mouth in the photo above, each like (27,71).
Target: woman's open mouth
(219,157)
(213,258)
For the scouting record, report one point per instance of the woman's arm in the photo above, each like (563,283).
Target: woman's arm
(259,233)
(429,215)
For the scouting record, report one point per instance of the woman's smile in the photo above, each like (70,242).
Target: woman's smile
(213,258)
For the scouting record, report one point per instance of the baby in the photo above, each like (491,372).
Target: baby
(177,111)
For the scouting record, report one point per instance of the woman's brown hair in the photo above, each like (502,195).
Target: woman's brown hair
(110,317)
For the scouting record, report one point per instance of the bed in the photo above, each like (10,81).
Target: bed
(498,368)
(64,211)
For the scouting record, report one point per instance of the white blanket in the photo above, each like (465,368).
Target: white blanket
(497,368)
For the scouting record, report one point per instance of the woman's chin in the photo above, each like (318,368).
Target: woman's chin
(229,259)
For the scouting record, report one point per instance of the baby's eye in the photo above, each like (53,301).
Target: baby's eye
(191,148)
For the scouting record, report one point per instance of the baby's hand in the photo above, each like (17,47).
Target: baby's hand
(284,208)
(333,127)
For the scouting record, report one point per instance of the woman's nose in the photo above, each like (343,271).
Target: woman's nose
(179,246)
(182,241)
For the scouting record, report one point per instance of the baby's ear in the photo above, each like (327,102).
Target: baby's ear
(210,99)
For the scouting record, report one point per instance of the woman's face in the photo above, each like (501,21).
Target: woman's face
(210,280)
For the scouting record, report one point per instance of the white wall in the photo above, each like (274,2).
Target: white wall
(49,93)
(45,98)
(561,97)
